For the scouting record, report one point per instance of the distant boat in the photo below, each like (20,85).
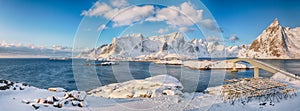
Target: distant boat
(102,64)
(107,64)
(59,59)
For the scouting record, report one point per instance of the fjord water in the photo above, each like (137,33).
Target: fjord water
(43,73)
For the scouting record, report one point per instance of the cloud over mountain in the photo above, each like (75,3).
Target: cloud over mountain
(234,38)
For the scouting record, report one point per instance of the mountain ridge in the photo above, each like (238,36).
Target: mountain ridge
(161,46)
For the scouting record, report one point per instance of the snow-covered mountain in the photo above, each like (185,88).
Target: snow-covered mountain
(234,51)
(276,42)
(170,45)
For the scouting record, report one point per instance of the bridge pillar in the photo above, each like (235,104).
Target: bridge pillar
(234,68)
(256,72)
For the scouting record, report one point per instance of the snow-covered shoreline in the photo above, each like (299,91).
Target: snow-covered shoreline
(12,99)
(205,64)
(214,65)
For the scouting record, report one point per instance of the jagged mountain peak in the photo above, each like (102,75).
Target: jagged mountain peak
(275,23)
(274,27)
(276,42)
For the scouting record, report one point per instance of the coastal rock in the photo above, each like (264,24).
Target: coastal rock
(35,106)
(58,89)
(5,84)
(50,100)
(75,103)
(72,98)
(25,101)
(77,95)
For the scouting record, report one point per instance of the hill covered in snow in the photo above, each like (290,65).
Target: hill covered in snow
(275,42)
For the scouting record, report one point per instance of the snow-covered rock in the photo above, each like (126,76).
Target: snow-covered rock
(8,85)
(276,42)
(148,88)
(77,95)
(73,98)
(57,89)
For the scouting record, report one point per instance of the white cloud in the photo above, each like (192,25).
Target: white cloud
(119,3)
(30,50)
(101,27)
(186,29)
(60,48)
(98,10)
(209,24)
(161,31)
(234,38)
(188,10)
(120,16)
(133,14)
(183,16)
(213,39)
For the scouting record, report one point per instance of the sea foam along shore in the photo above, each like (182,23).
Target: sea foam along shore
(12,100)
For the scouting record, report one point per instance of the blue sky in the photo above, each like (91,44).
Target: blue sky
(55,22)
(248,18)
(41,22)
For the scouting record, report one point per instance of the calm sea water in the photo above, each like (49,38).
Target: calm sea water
(43,73)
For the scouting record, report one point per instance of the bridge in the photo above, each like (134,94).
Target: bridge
(262,65)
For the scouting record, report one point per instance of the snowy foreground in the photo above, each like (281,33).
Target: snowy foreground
(158,93)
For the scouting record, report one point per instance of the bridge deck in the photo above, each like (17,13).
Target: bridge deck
(262,65)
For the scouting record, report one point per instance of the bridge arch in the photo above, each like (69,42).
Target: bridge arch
(257,65)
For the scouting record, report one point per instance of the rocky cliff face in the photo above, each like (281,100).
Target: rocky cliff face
(276,42)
